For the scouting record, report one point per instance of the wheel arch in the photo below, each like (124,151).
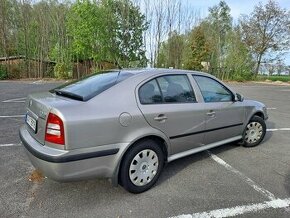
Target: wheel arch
(259,114)
(164,144)
(253,113)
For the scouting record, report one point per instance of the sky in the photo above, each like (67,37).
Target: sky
(237,8)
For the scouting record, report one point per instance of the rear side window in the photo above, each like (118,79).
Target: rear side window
(212,90)
(149,93)
(88,87)
(176,88)
(167,89)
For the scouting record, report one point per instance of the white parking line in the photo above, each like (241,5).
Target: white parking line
(246,179)
(37,82)
(241,209)
(16,100)
(10,145)
(13,101)
(234,211)
(279,129)
(271,108)
(13,116)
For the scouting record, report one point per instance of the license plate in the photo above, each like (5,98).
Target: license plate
(31,122)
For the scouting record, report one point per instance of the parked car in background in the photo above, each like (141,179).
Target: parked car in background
(126,124)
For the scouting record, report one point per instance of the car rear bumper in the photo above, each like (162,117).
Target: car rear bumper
(77,164)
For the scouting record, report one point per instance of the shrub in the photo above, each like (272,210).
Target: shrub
(3,72)
(275,78)
(14,71)
(63,70)
(243,76)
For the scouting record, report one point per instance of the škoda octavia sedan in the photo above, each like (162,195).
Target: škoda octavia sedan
(126,124)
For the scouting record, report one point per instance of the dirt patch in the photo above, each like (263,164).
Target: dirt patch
(278,83)
(38,81)
(36,176)
(268,82)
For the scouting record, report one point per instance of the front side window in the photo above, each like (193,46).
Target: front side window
(167,89)
(212,90)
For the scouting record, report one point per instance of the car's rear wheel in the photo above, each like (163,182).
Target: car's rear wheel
(254,132)
(141,166)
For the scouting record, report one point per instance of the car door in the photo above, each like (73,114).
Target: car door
(168,103)
(224,115)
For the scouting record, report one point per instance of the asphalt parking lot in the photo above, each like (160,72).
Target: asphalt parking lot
(226,181)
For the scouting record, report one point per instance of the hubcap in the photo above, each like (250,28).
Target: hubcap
(143,167)
(254,132)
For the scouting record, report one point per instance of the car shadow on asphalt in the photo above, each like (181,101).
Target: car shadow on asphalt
(287,182)
(176,166)
(269,134)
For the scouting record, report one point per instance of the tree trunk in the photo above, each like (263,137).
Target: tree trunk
(78,70)
(258,64)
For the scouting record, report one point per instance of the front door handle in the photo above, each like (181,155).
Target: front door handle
(160,117)
(211,113)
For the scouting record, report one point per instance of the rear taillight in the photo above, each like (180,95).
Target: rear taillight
(54,132)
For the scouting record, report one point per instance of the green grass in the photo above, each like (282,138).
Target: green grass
(275,78)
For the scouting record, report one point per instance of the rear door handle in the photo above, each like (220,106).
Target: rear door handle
(160,117)
(210,113)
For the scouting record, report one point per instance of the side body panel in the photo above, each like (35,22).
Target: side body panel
(182,120)
(185,122)
(224,120)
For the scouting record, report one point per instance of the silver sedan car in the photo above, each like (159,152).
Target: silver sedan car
(126,124)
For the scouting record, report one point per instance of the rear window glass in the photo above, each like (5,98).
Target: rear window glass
(89,87)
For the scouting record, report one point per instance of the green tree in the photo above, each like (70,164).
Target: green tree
(125,33)
(200,49)
(110,30)
(220,24)
(82,23)
(238,61)
(171,51)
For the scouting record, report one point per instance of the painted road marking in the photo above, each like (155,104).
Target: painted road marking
(246,179)
(10,145)
(13,116)
(239,210)
(242,209)
(271,108)
(37,82)
(14,100)
(278,129)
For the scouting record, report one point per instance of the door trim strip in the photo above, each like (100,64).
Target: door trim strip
(204,131)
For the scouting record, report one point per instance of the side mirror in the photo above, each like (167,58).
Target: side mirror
(239,97)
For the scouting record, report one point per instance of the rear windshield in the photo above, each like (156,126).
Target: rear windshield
(88,87)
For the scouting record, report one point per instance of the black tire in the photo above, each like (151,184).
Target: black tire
(125,180)
(246,142)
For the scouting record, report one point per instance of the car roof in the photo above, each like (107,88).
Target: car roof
(153,71)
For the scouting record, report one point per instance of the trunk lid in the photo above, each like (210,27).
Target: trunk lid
(38,107)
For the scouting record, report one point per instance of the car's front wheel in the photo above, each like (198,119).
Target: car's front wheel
(141,166)
(254,132)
